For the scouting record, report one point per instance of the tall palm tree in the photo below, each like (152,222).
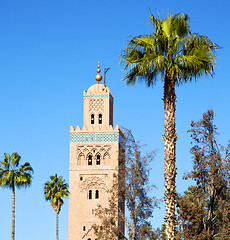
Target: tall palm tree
(178,56)
(14,175)
(54,191)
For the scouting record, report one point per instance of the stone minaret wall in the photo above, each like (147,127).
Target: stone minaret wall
(96,104)
(94,157)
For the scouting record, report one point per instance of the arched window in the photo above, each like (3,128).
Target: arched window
(83,228)
(81,178)
(92,118)
(90,162)
(98,161)
(100,118)
(97,194)
(90,194)
(89,238)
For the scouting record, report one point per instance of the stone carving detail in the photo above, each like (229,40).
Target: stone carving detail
(84,151)
(96,104)
(106,158)
(93,181)
(81,158)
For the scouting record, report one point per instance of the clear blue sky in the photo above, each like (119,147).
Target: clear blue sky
(49,51)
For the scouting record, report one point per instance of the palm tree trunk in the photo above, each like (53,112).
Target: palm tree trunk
(133,229)
(170,138)
(57,225)
(13,213)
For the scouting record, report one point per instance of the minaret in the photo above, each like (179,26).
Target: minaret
(94,158)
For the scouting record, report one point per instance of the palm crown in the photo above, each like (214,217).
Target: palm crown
(11,173)
(171,49)
(55,190)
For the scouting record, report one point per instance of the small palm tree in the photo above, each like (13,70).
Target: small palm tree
(178,56)
(54,191)
(12,174)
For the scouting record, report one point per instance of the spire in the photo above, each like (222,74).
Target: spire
(98,77)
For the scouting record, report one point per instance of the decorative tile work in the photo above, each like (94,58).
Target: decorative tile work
(95,137)
(96,104)
(98,96)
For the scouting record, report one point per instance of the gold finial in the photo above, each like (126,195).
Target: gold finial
(98,77)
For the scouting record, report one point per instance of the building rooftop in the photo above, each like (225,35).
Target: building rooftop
(98,89)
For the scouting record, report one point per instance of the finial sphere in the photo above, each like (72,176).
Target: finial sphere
(98,77)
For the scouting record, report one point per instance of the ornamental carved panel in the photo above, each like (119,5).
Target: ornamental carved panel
(96,105)
(92,182)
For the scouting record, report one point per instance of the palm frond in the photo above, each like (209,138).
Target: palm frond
(55,190)
(173,47)
(15,159)
(181,26)
(11,173)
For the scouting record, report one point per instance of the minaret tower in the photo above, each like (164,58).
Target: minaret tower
(94,158)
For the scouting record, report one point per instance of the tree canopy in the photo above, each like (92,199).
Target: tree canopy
(171,49)
(204,209)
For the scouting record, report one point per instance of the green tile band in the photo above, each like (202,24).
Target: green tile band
(95,137)
(98,96)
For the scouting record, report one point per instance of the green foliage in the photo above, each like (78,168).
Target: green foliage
(13,174)
(204,209)
(171,47)
(161,233)
(55,190)
(137,188)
